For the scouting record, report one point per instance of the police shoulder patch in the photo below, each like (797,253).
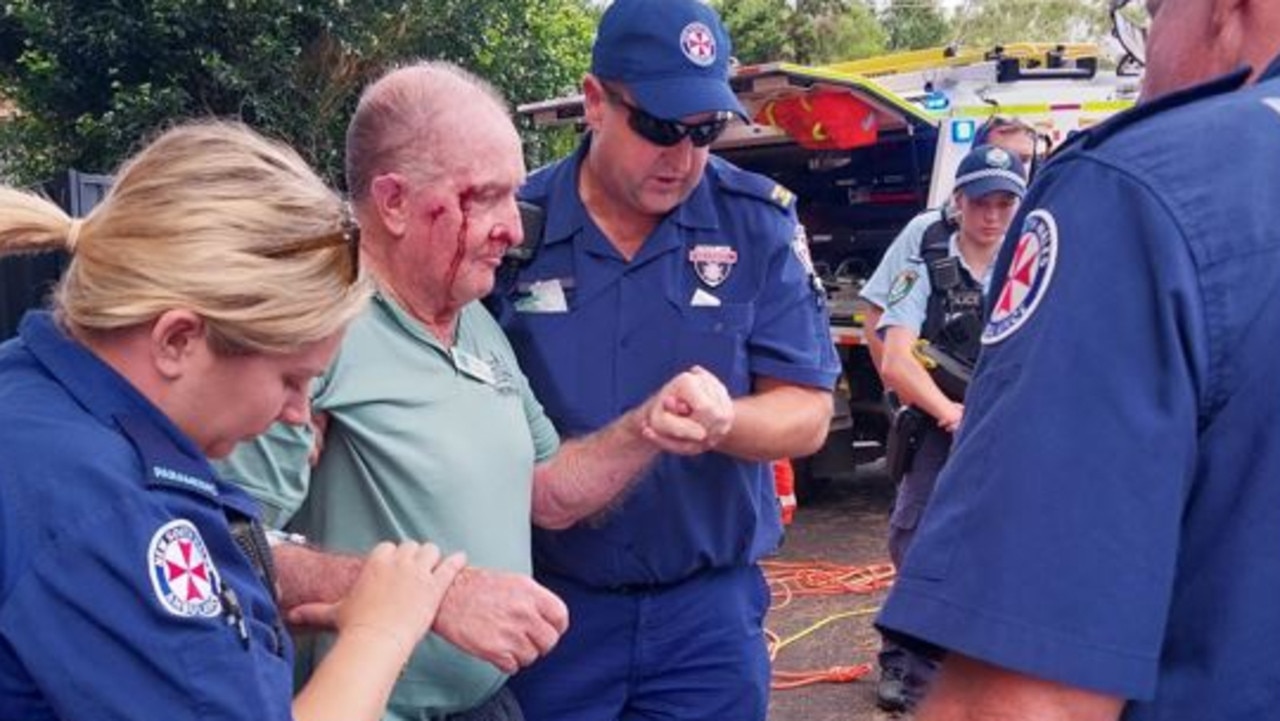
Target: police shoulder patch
(182,572)
(1034,257)
(902,285)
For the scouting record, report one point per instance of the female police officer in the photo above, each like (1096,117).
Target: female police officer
(203,294)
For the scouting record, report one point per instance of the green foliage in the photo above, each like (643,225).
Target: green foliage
(811,32)
(93,78)
(834,30)
(544,145)
(914,24)
(993,22)
(759,29)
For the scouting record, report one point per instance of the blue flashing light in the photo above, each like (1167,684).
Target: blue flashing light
(962,131)
(936,101)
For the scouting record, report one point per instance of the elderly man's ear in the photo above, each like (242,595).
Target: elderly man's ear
(390,196)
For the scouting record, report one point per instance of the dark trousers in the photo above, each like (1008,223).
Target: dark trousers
(693,650)
(908,508)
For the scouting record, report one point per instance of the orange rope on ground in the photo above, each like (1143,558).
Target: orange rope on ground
(785,680)
(789,580)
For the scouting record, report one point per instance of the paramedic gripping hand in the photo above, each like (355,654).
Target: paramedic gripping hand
(506,619)
(691,414)
(392,605)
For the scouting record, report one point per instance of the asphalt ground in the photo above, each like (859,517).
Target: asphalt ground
(844,526)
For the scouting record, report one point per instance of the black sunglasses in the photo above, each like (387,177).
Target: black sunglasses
(348,234)
(667,133)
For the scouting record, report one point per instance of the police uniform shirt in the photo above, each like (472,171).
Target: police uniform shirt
(122,592)
(1110,515)
(723,282)
(900,285)
(898,258)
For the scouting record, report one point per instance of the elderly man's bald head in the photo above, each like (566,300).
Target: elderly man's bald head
(410,120)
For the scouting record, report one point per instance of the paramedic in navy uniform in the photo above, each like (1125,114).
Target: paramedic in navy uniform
(1103,541)
(204,293)
(658,257)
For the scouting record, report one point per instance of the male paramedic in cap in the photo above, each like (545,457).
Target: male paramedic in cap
(1103,540)
(657,256)
(932,286)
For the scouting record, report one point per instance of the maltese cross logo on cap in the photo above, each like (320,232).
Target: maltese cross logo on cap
(698,44)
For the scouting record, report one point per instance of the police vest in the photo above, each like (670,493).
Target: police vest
(953,316)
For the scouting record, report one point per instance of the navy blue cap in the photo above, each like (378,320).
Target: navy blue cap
(988,169)
(673,55)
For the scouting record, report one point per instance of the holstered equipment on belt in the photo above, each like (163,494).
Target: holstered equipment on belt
(906,432)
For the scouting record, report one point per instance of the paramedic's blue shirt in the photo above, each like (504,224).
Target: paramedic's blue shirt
(116,550)
(720,284)
(1110,516)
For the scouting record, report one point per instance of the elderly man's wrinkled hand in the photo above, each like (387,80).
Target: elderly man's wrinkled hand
(504,618)
(397,594)
(691,414)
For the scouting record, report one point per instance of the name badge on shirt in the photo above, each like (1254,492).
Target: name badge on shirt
(474,367)
(543,296)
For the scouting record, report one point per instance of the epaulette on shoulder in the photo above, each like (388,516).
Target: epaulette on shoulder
(753,185)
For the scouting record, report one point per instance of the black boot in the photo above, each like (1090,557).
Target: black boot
(891,691)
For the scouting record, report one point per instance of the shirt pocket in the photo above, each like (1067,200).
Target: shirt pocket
(715,337)
(552,349)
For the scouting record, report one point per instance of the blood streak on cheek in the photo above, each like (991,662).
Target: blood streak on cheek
(464,204)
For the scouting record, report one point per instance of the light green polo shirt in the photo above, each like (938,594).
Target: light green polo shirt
(424,443)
